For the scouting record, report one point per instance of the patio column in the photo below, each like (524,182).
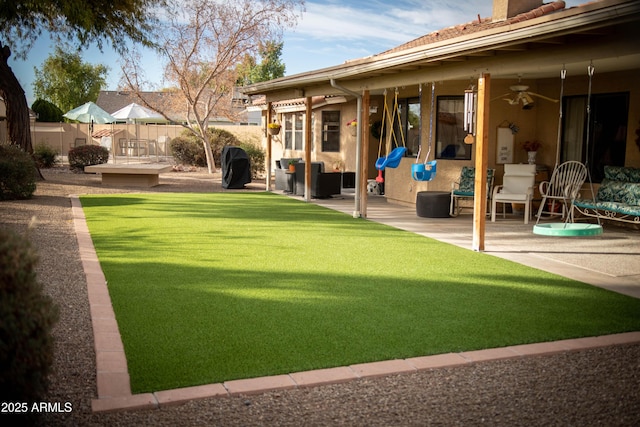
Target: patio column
(307,151)
(363,123)
(268,155)
(481,164)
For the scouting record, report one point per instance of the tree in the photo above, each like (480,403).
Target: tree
(270,68)
(201,45)
(47,111)
(67,81)
(100,21)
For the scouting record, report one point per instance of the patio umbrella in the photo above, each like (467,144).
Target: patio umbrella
(135,112)
(89,113)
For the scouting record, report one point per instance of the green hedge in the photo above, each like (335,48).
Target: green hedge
(87,155)
(28,316)
(17,173)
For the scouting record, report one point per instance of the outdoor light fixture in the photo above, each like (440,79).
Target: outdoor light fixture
(527,101)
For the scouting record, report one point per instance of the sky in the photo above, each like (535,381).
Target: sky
(329,33)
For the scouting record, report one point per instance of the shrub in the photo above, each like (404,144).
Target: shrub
(47,111)
(257,156)
(45,156)
(188,151)
(87,155)
(28,315)
(17,173)
(219,138)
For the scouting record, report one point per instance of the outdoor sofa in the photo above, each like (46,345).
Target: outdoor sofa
(618,197)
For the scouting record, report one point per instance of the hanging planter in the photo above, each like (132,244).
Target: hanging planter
(273,128)
(353,127)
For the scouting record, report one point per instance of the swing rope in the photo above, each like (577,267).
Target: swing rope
(427,170)
(385,110)
(563,75)
(397,113)
(420,123)
(590,70)
(433,103)
(392,157)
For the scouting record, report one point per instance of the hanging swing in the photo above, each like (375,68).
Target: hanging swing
(425,171)
(392,159)
(571,228)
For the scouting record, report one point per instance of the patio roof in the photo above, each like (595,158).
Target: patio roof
(297,104)
(537,43)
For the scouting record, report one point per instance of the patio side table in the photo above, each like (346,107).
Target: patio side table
(433,204)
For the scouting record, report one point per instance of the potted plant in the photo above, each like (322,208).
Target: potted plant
(273,128)
(292,165)
(531,147)
(353,127)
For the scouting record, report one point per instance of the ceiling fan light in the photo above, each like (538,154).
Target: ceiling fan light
(527,103)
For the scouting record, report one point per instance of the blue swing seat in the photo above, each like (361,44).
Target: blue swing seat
(424,171)
(392,160)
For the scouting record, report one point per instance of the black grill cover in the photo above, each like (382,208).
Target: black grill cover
(236,167)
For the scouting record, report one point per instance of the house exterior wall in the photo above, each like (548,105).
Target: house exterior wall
(540,123)
(345,159)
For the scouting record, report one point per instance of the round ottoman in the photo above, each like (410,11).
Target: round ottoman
(433,204)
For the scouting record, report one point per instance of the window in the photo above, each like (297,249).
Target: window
(449,129)
(331,131)
(410,120)
(294,131)
(607,131)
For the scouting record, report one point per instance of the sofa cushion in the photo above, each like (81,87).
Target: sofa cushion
(619,192)
(631,195)
(622,174)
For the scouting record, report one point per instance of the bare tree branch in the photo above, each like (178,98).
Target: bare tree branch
(202,43)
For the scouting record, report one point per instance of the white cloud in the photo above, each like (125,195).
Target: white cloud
(381,22)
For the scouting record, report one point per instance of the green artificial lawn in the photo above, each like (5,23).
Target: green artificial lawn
(214,287)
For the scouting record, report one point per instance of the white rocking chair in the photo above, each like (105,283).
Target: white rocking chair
(563,188)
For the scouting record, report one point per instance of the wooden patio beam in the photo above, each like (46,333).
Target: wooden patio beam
(482,162)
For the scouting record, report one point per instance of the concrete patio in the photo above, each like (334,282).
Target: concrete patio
(610,260)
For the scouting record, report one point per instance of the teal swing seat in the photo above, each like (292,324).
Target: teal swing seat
(424,171)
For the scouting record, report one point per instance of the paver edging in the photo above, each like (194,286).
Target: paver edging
(114,373)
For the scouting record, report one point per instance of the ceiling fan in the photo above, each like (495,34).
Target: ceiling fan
(520,95)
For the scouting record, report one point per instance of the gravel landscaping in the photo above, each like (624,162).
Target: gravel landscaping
(581,388)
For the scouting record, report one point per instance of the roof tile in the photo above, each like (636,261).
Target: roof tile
(477,25)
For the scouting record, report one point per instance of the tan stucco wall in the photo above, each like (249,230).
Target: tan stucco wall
(540,123)
(49,134)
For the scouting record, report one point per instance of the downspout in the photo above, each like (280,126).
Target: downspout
(356,212)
